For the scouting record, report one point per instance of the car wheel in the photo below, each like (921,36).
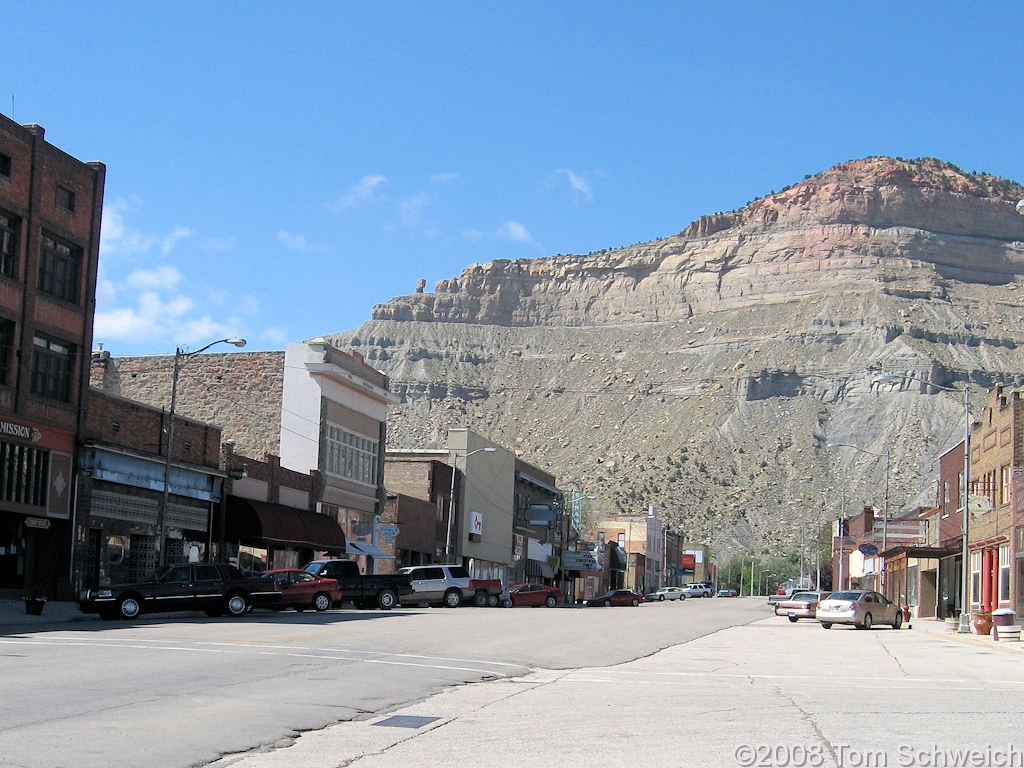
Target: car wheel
(792,619)
(492,601)
(480,599)
(866,624)
(129,607)
(607,603)
(322,601)
(661,598)
(237,604)
(826,625)
(452,598)
(387,600)
(507,602)
(550,602)
(897,620)
(635,602)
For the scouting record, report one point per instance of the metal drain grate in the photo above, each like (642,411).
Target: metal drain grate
(407,721)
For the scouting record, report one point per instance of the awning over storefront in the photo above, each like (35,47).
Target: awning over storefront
(363,548)
(537,568)
(269,523)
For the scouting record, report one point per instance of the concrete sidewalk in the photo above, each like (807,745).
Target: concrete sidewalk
(12,614)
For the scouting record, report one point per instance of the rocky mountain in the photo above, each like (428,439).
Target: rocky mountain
(707,372)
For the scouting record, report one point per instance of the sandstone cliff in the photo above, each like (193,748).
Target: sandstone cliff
(707,372)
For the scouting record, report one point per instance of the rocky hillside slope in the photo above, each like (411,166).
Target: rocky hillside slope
(707,372)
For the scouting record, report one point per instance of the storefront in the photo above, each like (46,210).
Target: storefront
(119,514)
(261,535)
(36,490)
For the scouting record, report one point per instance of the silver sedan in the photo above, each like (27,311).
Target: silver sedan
(862,608)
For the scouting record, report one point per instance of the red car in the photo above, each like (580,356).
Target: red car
(301,590)
(617,597)
(536,594)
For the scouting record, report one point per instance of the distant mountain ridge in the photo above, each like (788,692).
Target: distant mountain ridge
(706,372)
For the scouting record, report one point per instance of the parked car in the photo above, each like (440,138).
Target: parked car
(862,608)
(536,594)
(802,605)
(301,589)
(668,593)
(449,585)
(782,594)
(697,590)
(728,592)
(617,597)
(382,591)
(215,588)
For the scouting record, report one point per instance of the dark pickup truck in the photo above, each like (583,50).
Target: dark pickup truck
(383,591)
(215,588)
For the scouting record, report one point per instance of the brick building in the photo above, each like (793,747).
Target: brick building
(241,391)
(419,487)
(122,459)
(50,208)
(997,457)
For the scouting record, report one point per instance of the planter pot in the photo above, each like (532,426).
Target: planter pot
(952,624)
(34,607)
(983,623)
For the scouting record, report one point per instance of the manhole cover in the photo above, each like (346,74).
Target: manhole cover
(407,721)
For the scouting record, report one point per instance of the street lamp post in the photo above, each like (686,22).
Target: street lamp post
(965,600)
(451,498)
(180,356)
(885,503)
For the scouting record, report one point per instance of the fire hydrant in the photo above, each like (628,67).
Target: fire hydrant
(906,616)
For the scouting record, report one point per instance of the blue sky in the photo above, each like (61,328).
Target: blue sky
(275,169)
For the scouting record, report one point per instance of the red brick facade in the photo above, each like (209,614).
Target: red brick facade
(50,209)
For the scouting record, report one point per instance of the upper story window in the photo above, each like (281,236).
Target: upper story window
(65,199)
(352,456)
(6,347)
(52,366)
(58,268)
(5,165)
(8,242)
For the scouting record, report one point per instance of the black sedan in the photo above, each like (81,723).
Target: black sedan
(215,588)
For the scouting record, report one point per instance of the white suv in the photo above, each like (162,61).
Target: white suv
(697,590)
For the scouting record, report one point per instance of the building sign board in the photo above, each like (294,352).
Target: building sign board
(19,431)
(580,561)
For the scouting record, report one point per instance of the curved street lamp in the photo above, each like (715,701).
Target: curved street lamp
(451,497)
(965,602)
(180,356)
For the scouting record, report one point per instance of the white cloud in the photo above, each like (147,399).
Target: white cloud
(176,236)
(361,192)
(515,232)
(296,242)
(150,318)
(153,279)
(442,178)
(117,238)
(579,185)
(411,210)
(276,336)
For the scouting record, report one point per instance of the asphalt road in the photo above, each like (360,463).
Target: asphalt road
(177,691)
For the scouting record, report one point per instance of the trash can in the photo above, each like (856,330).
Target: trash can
(1004,621)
